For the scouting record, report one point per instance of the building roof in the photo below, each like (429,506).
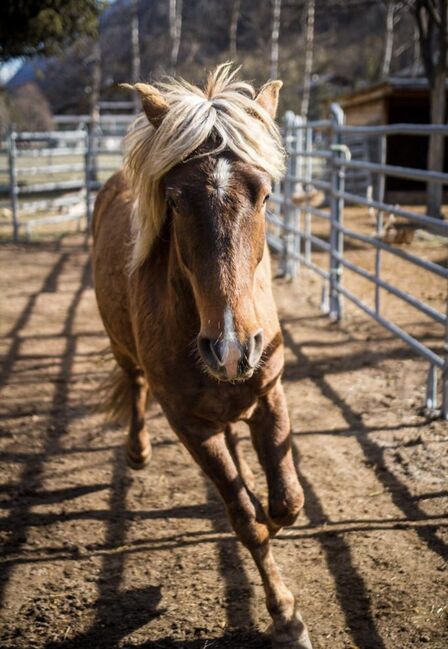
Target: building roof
(384,89)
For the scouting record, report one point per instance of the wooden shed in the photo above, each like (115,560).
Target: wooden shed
(397,100)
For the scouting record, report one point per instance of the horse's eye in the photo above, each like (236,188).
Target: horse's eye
(171,203)
(266,198)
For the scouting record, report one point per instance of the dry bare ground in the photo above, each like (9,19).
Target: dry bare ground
(97,556)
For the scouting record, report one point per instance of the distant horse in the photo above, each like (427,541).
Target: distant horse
(183,282)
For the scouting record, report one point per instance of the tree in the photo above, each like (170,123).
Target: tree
(276,10)
(431,19)
(45,27)
(135,42)
(175,18)
(233,28)
(390,21)
(309,55)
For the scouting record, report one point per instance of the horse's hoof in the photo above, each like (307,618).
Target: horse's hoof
(284,642)
(292,634)
(138,461)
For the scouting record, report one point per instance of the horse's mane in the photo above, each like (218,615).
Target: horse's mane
(224,108)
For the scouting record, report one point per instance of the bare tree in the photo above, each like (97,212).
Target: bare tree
(276,11)
(415,53)
(309,55)
(135,40)
(175,17)
(390,22)
(233,28)
(431,19)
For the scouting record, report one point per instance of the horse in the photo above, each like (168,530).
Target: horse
(183,284)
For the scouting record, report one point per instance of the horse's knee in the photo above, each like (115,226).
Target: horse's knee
(250,525)
(285,507)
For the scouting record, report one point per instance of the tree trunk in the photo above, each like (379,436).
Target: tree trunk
(233,29)
(309,52)
(416,54)
(390,15)
(436,142)
(135,40)
(276,10)
(175,16)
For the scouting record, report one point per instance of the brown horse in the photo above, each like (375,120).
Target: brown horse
(183,283)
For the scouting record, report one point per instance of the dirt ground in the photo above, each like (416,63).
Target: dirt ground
(97,556)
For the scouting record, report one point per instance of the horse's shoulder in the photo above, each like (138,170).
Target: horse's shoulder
(116,187)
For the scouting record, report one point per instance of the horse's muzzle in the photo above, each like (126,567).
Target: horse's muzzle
(229,359)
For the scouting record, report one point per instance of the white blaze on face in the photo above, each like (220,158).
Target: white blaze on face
(221,177)
(232,350)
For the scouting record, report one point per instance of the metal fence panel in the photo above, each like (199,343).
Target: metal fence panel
(320,158)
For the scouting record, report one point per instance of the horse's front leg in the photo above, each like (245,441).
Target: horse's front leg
(251,526)
(271,436)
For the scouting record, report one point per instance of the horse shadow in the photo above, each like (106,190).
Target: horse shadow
(120,614)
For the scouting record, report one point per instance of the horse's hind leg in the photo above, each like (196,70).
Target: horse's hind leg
(138,444)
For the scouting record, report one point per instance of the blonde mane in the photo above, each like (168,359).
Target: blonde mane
(225,107)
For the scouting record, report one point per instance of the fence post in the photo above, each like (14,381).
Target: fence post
(381,187)
(295,237)
(287,195)
(337,207)
(87,174)
(308,146)
(13,186)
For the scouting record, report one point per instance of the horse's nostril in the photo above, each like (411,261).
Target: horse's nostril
(210,351)
(255,348)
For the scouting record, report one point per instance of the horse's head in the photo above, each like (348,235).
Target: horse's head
(218,204)
(216,200)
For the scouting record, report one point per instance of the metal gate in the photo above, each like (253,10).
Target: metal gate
(320,161)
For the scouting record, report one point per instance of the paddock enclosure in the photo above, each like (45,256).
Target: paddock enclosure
(96,555)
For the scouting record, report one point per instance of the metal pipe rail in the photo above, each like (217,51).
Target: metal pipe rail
(51,169)
(404,295)
(394,129)
(395,171)
(435,225)
(402,254)
(415,344)
(56,152)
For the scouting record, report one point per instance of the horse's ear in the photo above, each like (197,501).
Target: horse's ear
(153,103)
(268,97)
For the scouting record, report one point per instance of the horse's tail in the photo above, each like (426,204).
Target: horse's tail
(116,396)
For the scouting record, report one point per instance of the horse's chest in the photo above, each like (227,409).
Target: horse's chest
(219,403)
(226,403)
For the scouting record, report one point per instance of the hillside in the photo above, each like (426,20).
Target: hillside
(349,47)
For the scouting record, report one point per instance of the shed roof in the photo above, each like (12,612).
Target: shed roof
(390,86)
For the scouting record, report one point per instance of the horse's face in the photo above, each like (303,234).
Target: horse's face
(217,206)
